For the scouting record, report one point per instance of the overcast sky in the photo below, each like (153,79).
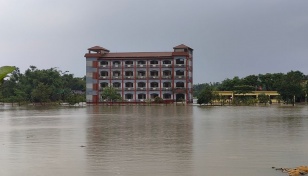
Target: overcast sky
(229,37)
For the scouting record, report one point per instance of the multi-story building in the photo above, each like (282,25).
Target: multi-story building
(140,76)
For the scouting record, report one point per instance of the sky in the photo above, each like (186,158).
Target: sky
(229,38)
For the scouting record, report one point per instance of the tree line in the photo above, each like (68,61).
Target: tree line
(292,86)
(42,86)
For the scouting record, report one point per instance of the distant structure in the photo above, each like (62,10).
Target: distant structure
(140,76)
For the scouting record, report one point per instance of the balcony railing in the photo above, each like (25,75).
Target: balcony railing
(154,88)
(141,77)
(154,77)
(180,65)
(166,77)
(104,66)
(129,65)
(129,88)
(166,65)
(129,77)
(104,77)
(179,77)
(154,65)
(166,88)
(117,77)
(141,88)
(141,65)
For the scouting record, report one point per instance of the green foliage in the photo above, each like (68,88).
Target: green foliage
(4,71)
(263,98)
(41,86)
(243,89)
(110,94)
(41,93)
(158,100)
(206,96)
(290,87)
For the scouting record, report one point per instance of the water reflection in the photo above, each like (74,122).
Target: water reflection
(140,140)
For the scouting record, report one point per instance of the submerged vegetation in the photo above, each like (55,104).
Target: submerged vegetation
(42,87)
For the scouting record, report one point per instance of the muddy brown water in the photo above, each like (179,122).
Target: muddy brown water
(152,140)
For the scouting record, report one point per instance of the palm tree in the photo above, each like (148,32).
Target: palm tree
(4,71)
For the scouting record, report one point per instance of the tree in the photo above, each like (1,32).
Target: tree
(206,96)
(263,98)
(110,94)
(290,87)
(41,93)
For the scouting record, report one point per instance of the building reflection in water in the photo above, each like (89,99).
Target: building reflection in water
(140,140)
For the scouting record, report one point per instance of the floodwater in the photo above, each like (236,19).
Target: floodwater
(152,140)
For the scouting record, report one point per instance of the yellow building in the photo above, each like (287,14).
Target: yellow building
(230,95)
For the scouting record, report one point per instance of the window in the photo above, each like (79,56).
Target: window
(153,62)
(116,73)
(167,96)
(141,73)
(167,84)
(166,73)
(104,63)
(180,84)
(180,61)
(154,84)
(116,63)
(129,73)
(141,84)
(154,73)
(129,84)
(154,95)
(141,62)
(104,73)
(128,96)
(104,84)
(180,73)
(142,96)
(116,84)
(166,62)
(129,62)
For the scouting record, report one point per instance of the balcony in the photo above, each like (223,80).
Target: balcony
(129,88)
(166,65)
(180,65)
(141,77)
(179,90)
(166,77)
(179,77)
(141,88)
(154,77)
(116,66)
(166,88)
(128,77)
(154,88)
(129,66)
(117,77)
(104,77)
(104,66)
(141,65)
(154,65)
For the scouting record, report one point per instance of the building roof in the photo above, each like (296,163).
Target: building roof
(137,54)
(182,46)
(95,48)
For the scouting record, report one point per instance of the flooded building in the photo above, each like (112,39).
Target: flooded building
(140,76)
